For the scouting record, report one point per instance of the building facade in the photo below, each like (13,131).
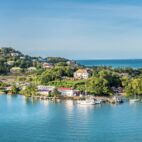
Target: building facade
(82,74)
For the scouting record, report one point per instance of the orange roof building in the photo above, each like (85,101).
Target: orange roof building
(82,74)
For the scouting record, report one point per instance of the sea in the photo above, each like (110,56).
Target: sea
(127,63)
(28,120)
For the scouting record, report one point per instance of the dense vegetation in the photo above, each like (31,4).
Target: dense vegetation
(100,83)
(10,57)
(56,60)
(103,80)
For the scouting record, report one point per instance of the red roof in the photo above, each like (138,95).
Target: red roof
(64,89)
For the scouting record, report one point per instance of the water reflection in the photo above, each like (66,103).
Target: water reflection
(45,102)
(86,107)
(9,100)
(69,104)
(67,121)
(29,101)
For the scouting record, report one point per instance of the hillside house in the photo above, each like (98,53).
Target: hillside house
(16,70)
(47,66)
(82,74)
(31,69)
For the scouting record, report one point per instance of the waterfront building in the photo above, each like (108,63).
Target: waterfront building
(67,92)
(45,90)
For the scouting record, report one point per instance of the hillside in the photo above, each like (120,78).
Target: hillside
(10,58)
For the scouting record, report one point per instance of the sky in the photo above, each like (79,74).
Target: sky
(74,29)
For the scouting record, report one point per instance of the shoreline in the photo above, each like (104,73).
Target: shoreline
(104,99)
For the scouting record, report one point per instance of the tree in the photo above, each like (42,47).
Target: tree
(55,93)
(14,90)
(30,91)
(98,86)
(134,87)
(112,78)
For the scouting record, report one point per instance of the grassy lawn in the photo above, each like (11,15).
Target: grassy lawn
(66,83)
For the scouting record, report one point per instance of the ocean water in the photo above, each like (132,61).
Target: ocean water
(23,120)
(114,63)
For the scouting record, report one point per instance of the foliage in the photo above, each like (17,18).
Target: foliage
(55,74)
(3,68)
(133,86)
(2,84)
(14,90)
(29,91)
(55,93)
(98,86)
(56,60)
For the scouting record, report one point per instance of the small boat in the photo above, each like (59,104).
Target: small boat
(89,102)
(117,100)
(98,101)
(134,100)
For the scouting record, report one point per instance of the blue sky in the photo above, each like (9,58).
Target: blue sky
(75,29)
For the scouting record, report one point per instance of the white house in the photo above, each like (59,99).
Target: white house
(45,90)
(10,63)
(14,54)
(47,66)
(31,69)
(67,91)
(82,74)
(16,70)
(22,57)
(71,62)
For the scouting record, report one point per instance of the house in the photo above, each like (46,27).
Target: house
(82,74)
(31,69)
(67,91)
(9,88)
(45,90)
(16,70)
(47,66)
(124,74)
(10,63)
(22,57)
(14,54)
(71,62)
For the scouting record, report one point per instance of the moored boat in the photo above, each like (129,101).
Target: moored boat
(116,100)
(134,100)
(89,102)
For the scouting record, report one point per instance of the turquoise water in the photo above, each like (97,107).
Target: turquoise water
(114,63)
(24,120)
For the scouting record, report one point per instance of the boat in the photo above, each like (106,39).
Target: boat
(134,100)
(116,100)
(98,101)
(89,102)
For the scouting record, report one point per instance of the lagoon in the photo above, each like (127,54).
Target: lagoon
(28,120)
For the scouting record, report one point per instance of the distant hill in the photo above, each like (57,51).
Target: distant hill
(9,57)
